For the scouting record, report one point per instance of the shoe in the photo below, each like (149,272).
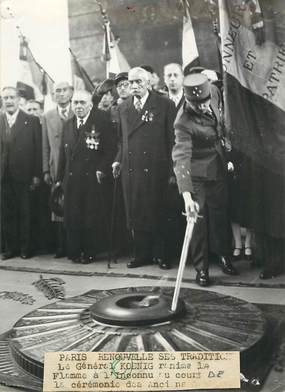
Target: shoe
(88,259)
(25,255)
(248,253)
(227,266)
(135,263)
(163,264)
(59,254)
(236,254)
(8,255)
(202,278)
(76,260)
(268,274)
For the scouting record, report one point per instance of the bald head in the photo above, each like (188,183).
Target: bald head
(63,93)
(139,81)
(81,103)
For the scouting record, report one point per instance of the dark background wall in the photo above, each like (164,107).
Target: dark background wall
(150,32)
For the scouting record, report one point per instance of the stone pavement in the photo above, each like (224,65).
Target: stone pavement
(17,277)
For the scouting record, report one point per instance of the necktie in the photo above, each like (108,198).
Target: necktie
(138,105)
(81,123)
(11,121)
(64,113)
(210,113)
(174,99)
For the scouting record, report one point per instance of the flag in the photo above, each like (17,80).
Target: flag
(190,55)
(34,82)
(254,79)
(112,55)
(254,89)
(81,79)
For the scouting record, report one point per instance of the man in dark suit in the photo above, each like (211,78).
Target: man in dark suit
(20,172)
(200,168)
(175,221)
(85,158)
(144,158)
(173,79)
(53,122)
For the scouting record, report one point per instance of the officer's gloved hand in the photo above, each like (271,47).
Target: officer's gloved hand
(191,206)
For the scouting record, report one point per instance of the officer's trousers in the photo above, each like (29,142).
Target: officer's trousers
(211,232)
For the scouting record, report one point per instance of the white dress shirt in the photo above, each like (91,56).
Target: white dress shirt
(82,121)
(65,110)
(142,100)
(176,98)
(11,118)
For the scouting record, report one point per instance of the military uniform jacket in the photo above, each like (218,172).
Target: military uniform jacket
(147,138)
(20,147)
(83,196)
(198,152)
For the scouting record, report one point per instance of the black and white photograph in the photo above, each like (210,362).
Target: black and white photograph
(142,148)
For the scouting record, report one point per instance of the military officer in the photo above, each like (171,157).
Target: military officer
(200,168)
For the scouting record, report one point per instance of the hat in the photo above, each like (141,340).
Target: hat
(57,201)
(197,87)
(211,74)
(105,86)
(189,69)
(121,76)
(147,68)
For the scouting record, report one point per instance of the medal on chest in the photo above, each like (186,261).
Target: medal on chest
(92,139)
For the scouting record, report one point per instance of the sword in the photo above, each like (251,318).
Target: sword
(183,258)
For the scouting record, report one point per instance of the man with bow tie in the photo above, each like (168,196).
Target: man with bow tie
(20,173)
(85,158)
(144,162)
(52,125)
(200,167)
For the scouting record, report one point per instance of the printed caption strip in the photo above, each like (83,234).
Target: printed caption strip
(140,371)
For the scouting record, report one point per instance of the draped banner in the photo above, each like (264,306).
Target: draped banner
(254,80)
(253,57)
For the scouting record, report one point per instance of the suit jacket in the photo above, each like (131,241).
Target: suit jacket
(52,125)
(198,151)
(77,168)
(20,148)
(145,156)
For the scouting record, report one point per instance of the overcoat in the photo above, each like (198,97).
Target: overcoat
(20,147)
(52,125)
(84,204)
(145,155)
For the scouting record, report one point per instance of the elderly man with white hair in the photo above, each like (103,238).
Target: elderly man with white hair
(85,159)
(144,162)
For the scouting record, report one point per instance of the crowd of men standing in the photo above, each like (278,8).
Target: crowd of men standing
(150,145)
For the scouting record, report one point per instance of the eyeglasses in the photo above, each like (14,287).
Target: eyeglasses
(124,84)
